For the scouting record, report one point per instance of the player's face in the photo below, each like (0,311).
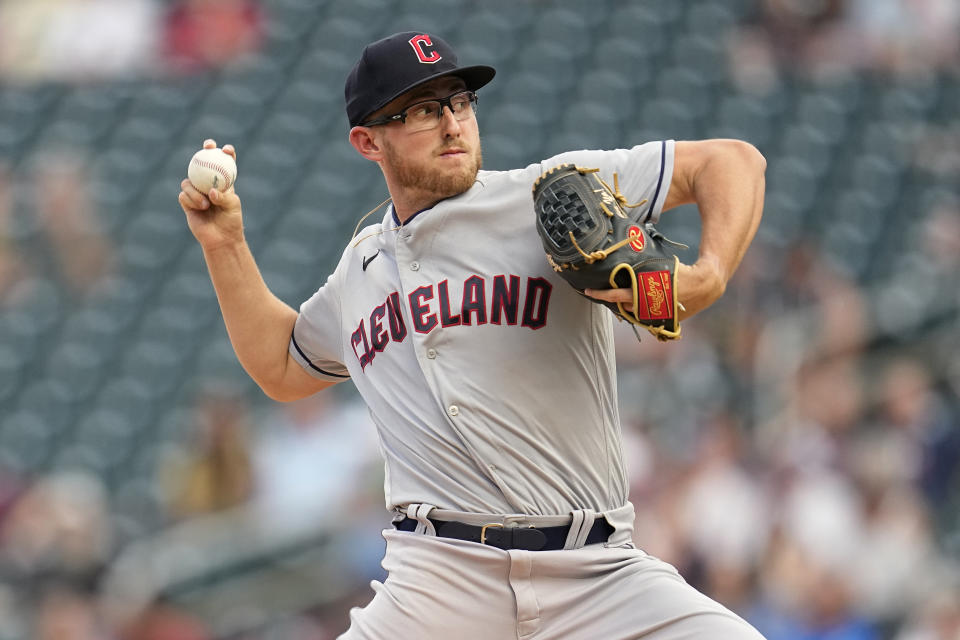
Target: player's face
(440,162)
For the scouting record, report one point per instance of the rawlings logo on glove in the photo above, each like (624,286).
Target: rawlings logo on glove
(594,240)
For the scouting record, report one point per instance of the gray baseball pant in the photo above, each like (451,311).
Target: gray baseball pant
(440,588)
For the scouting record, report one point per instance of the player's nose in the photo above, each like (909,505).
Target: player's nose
(448,122)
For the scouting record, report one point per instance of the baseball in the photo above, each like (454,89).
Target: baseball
(212,169)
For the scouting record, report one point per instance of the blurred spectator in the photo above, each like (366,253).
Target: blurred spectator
(830,396)
(163,621)
(50,227)
(12,267)
(795,27)
(202,34)
(67,215)
(784,34)
(215,473)
(823,37)
(806,587)
(936,619)
(906,36)
(11,486)
(65,613)
(917,433)
(941,237)
(897,529)
(76,40)
(936,151)
(724,516)
(59,526)
(811,279)
(312,457)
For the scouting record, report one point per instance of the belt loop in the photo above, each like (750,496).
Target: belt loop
(580,525)
(419,513)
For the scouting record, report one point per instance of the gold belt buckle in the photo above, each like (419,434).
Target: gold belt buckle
(483,531)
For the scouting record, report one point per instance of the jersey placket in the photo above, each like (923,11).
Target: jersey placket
(421,280)
(417,282)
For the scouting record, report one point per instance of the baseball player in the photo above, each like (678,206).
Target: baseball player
(490,380)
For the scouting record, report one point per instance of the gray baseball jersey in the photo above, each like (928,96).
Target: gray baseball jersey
(490,380)
(493,388)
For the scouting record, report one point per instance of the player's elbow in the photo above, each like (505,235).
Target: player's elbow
(278,393)
(292,384)
(284,392)
(755,158)
(745,154)
(271,382)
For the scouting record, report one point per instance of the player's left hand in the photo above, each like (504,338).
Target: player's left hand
(698,286)
(612,295)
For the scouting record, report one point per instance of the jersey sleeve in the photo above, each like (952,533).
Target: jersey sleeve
(315,342)
(644,171)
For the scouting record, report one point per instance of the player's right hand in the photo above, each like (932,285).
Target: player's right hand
(214,218)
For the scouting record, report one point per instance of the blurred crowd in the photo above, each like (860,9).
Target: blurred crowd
(796,455)
(96,40)
(832,516)
(280,475)
(824,37)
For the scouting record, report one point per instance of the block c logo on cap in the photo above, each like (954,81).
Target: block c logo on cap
(419,43)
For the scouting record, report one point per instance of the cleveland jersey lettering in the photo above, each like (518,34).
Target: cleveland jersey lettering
(431,306)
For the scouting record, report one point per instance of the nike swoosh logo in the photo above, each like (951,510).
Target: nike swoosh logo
(367,261)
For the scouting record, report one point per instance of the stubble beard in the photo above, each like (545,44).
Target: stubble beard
(418,177)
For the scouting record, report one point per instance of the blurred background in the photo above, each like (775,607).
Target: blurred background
(795,455)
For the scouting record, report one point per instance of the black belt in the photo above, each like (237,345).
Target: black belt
(517,537)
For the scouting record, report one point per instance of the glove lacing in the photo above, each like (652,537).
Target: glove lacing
(621,202)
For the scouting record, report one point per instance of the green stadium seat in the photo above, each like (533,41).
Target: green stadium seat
(488,37)
(632,59)
(25,443)
(50,400)
(13,365)
(573,26)
(611,88)
(553,61)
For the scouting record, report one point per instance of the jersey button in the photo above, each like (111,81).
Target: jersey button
(453,410)
(431,353)
(414,266)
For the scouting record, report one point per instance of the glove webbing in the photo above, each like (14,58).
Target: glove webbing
(621,200)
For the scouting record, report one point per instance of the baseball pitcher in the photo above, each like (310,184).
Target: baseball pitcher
(471,320)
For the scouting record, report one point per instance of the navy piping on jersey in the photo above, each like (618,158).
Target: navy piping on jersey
(313,366)
(396,220)
(663,161)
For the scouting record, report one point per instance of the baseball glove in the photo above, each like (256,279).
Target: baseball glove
(595,240)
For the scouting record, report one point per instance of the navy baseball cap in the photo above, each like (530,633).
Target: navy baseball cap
(396,64)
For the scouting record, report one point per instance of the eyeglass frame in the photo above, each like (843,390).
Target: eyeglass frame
(473,99)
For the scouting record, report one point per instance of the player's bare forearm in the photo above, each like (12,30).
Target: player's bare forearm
(259,324)
(725,178)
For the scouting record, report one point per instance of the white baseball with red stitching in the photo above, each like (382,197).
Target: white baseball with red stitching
(212,169)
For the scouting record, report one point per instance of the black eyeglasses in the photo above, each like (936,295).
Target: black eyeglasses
(427,114)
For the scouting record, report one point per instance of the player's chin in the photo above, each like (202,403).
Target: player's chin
(458,179)
(457,163)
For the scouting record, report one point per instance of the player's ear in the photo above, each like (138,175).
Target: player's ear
(364,140)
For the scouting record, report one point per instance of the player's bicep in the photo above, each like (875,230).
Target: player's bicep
(691,157)
(688,158)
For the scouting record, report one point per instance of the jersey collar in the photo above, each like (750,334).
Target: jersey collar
(396,220)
